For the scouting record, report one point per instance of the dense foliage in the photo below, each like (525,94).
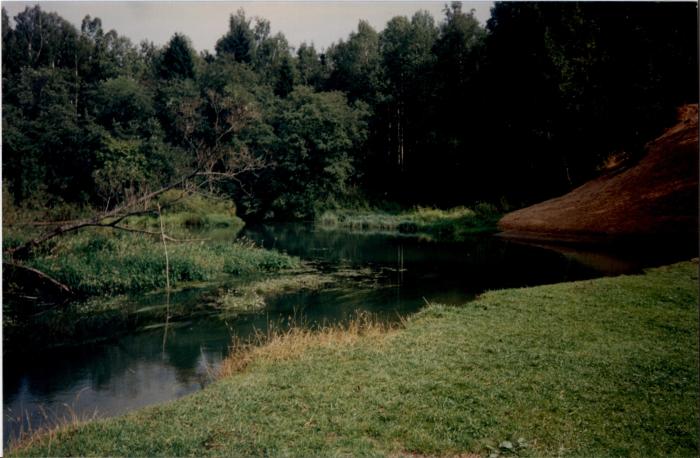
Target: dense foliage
(423,112)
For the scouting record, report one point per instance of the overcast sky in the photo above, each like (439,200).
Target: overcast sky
(205,22)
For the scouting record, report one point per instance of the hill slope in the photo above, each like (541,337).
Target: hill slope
(657,196)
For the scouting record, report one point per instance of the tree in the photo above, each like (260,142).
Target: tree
(239,41)
(5,23)
(213,158)
(355,64)
(318,136)
(285,78)
(46,147)
(39,39)
(177,60)
(407,59)
(593,79)
(309,67)
(455,103)
(422,112)
(273,62)
(105,55)
(123,174)
(123,102)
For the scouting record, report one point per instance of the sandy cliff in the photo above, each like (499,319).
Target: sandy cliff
(657,196)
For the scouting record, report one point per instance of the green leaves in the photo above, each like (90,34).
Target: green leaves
(178,58)
(318,136)
(123,172)
(122,101)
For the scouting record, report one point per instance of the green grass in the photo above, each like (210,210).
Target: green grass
(605,367)
(183,212)
(107,262)
(447,225)
(104,267)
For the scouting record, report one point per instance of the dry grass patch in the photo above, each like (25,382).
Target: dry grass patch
(281,345)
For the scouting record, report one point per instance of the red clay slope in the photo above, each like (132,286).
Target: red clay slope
(658,196)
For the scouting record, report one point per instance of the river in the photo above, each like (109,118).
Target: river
(387,275)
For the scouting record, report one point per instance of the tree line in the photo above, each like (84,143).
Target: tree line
(443,112)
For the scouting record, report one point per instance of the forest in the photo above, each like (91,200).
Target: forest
(427,111)
(442,237)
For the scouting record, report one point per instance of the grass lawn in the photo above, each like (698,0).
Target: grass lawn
(605,367)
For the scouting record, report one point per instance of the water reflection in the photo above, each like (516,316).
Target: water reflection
(386,275)
(112,378)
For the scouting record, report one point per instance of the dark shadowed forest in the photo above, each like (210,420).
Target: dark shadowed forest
(428,111)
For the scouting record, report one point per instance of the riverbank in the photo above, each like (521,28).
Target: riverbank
(588,368)
(101,273)
(444,225)
(654,198)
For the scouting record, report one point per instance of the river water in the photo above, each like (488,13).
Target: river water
(385,274)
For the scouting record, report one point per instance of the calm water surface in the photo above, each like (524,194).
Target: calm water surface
(384,274)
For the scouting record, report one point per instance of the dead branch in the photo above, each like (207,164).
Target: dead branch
(214,162)
(40,274)
(110,219)
(120,213)
(146,232)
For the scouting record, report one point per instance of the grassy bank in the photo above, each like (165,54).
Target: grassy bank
(101,266)
(111,263)
(446,225)
(107,262)
(104,268)
(591,368)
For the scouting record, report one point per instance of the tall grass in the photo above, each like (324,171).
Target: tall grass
(104,262)
(190,211)
(448,225)
(52,422)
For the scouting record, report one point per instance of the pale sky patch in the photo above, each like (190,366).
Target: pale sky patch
(320,22)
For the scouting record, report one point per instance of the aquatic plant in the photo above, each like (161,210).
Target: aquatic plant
(251,295)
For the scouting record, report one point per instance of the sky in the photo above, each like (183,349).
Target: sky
(318,22)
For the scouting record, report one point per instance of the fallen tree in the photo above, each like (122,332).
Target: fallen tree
(214,159)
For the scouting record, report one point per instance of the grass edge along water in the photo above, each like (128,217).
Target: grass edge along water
(586,368)
(451,225)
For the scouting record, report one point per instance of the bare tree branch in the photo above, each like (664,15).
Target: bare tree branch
(214,162)
(39,274)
